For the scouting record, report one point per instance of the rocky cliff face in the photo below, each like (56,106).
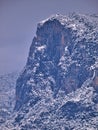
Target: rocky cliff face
(58,88)
(60,57)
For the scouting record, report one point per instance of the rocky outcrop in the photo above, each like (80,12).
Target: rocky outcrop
(57,90)
(60,57)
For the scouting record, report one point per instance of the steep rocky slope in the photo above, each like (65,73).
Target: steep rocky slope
(58,88)
(60,57)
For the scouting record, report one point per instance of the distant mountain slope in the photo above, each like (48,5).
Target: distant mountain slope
(58,88)
(7,94)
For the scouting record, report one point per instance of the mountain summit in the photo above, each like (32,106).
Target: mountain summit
(60,57)
(58,88)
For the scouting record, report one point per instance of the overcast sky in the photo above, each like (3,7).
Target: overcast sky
(18,21)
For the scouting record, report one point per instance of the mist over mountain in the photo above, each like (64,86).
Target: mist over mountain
(58,87)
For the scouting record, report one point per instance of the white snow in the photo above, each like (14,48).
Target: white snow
(40,48)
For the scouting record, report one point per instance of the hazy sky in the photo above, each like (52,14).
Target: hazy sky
(18,21)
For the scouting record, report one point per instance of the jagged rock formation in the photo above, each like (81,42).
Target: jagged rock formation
(60,57)
(55,91)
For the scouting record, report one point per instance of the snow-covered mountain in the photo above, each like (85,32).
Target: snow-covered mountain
(7,95)
(58,88)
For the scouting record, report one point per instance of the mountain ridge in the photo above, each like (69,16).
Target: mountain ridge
(57,90)
(56,43)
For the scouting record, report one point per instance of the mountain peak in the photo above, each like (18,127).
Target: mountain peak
(58,86)
(58,17)
(60,57)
